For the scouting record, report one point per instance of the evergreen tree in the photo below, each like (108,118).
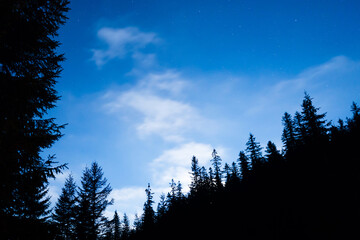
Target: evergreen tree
(288,135)
(92,202)
(64,214)
(195,175)
(149,214)
(29,68)
(216,162)
(137,223)
(253,150)
(244,165)
(273,155)
(161,208)
(117,227)
(313,123)
(126,227)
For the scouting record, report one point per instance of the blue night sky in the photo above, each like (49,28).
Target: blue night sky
(148,84)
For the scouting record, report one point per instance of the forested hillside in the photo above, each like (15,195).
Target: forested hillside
(309,190)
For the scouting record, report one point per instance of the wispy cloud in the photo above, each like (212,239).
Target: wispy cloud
(154,97)
(175,163)
(121,41)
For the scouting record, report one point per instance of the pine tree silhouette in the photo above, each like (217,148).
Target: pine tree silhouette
(65,210)
(92,202)
(30,66)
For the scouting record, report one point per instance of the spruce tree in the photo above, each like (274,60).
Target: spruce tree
(65,210)
(125,233)
(288,135)
(92,202)
(29,69)
(244,165)
(216,162)
(195,175)
(253,150)
(149,214)
(273,155)
(161,208)
(313,122)
(117,227)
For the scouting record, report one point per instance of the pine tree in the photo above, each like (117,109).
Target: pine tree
(313,122)
(244,165)
(64,214)
(161,208)
(148,218)
(195,175)
(273,155)
(126,228)
(253,150)
(92,202)
(216,162)
(288,135)
(117,227)
(29,68)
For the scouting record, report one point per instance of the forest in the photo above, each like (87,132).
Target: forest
(307,189)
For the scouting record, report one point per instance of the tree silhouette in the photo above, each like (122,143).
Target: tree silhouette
(216,162)
(117,226)
(148,218)
(125,233)
(288,135)
(65,210)
(29,68)
(253,150)
(244,165)
(92,202)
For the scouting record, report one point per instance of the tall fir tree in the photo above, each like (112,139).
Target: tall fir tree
(253,150)
(273,156)
(243,162)
(29,69)
(195,175)
(312,121)
(216,162)
(92,202)
(288,135)
(65,210)
(117,227)
(125,233)
(148,218)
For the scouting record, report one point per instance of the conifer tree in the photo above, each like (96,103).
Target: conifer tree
(273,155)
(288,135)
(92,202)
(216,162)
(149,214)
(65,210)
(117,226)
(29,69)
(195,174)
(313,122)
(161,208)
(244,165)
(126,228)
(253,150)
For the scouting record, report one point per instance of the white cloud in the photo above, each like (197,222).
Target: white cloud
(120,41)
(154,97)
(175,163)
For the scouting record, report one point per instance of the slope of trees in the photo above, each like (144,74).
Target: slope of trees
(309,190)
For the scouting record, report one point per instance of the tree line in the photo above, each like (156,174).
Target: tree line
(306,190)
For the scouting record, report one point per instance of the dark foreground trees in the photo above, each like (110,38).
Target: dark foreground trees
(29,68)
(307,191)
